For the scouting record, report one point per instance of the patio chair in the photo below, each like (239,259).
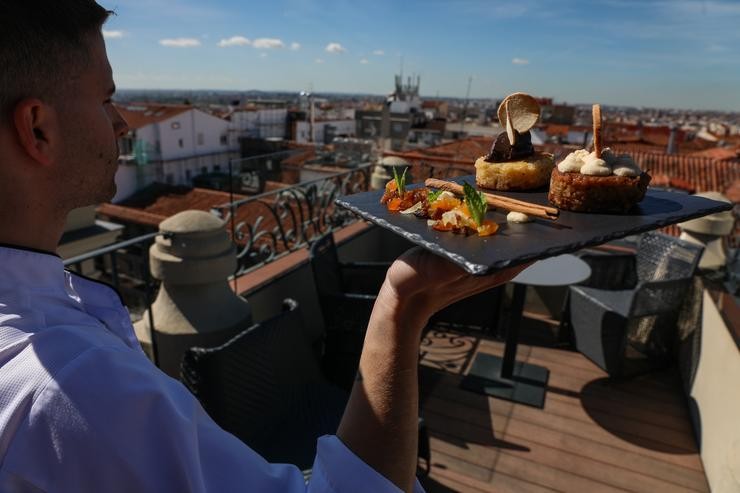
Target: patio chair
(624,317)
(265,387)
(346,314)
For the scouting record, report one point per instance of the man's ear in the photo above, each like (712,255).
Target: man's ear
(37,129)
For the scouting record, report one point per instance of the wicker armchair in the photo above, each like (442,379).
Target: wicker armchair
(345,313)
(265,387)
(624,317)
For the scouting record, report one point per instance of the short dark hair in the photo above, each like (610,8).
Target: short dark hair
(42,43)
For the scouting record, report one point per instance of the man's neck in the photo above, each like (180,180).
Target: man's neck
(37,228)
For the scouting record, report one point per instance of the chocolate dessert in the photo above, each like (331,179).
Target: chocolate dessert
(512,163)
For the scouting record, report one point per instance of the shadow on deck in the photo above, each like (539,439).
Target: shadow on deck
(592,435)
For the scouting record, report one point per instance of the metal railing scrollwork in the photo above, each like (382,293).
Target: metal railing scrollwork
(270,225)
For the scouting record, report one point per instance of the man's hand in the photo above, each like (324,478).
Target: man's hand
(419,284)
(380,422)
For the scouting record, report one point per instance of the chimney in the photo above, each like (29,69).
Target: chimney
(195,305)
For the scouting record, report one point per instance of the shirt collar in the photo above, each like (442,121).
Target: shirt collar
(32,269)
(43,274)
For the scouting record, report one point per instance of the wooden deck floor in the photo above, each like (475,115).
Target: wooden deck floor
(592,436)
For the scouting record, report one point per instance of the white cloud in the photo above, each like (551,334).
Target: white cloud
(234,41)
(268,43)
(364,61)
(717,48)
(263,55)
(378,52)
(520,61)
(113,34)
(180,42)
(319,60)
(295,46)
(335,48)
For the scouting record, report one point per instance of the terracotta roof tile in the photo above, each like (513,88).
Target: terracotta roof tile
(462,151)
(557,130)
(139,115)
(158,202)
(719,153)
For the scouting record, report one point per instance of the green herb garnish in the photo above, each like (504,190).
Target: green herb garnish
(433,195)
(400,181)
(476,202)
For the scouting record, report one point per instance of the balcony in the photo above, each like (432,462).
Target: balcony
(658,432)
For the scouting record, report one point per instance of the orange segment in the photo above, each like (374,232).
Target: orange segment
(488,228)
(394,205)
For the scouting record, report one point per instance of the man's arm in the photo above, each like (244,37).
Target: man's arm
(380,422)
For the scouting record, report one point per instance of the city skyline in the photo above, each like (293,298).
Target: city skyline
(656,53)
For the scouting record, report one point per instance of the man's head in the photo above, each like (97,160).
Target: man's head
(42,44)
(58,128)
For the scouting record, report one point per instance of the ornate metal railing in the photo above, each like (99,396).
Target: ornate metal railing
(264,227)
(270,225)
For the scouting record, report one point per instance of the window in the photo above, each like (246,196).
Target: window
(216,168)
(188,174)
(170,178)
(180,143)
(224,140)
(201,139)
(175,125)
(158,146)
(126,145)
(204,170)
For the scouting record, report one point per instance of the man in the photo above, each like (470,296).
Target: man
(81,408)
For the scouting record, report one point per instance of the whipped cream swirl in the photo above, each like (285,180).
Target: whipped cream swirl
(581,161)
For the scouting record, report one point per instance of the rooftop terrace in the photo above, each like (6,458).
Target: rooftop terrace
(592,435)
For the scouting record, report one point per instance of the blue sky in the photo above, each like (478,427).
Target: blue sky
(659,53)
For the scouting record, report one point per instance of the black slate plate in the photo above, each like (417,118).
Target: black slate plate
(519,243)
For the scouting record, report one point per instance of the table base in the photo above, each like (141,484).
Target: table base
(527,385)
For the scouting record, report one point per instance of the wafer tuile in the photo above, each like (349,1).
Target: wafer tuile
(598,146)
(509,126)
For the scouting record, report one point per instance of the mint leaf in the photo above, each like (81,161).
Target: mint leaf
(476,202)
(433,195)
(400,181)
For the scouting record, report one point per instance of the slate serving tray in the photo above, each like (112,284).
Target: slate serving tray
(519,243)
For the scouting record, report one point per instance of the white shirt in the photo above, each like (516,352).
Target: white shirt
(83,410)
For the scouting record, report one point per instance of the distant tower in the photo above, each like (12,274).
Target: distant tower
(408,91)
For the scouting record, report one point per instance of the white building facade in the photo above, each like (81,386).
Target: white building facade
(262,123)
(171,144)
(324,131)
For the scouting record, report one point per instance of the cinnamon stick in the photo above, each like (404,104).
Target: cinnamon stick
(499,201)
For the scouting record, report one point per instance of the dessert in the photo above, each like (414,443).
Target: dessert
(447,213)
(444,211)
(512,163)
(599,181)
(397,198)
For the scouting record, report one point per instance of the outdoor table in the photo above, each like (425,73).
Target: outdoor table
(505,377)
